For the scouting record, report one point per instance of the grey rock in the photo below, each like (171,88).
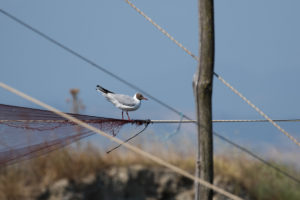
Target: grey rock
(130,183)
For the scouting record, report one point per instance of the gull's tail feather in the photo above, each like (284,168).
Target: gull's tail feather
(101,89)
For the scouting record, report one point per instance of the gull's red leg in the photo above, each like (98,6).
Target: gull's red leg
(127,115)
(122,115)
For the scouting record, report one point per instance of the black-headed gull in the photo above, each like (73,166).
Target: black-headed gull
(121,101)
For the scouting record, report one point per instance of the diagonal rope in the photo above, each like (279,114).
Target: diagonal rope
(106,71)
(129,146)
(162,30)
(218,76)
(258,110)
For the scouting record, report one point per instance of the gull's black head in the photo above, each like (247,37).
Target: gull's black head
(139,96)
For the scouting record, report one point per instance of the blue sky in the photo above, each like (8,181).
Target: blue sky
(257,47)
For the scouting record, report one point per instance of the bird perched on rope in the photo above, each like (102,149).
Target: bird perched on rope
(121,101)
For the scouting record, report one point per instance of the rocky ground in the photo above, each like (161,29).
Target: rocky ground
(130,183)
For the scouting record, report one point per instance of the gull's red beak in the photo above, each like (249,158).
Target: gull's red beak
(145,98)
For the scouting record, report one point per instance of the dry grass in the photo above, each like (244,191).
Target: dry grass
(259,180)
(25,180)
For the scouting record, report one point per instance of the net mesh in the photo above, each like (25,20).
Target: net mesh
(26,132)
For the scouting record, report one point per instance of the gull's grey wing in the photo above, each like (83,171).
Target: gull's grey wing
(124,99)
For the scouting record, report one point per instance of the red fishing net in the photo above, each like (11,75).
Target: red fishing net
(28,132)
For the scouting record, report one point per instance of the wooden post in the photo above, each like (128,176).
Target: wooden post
(202,84)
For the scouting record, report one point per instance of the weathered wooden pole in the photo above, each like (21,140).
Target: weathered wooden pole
(202,84)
